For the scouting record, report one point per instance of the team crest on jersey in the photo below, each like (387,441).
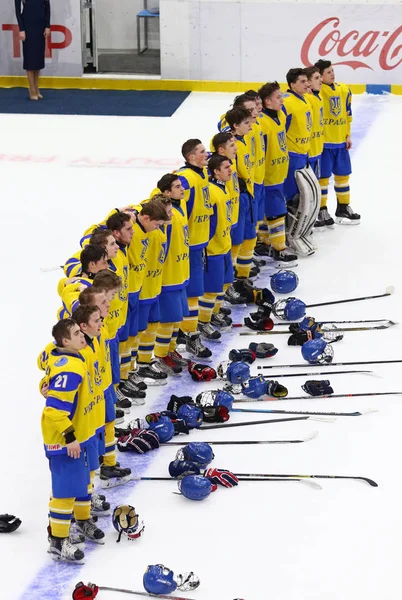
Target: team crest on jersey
(124,284)
(97,376)
(235,180)
(335,105)
(61,362)
(107,351)
(321,116)
(229,210)
(185,234)
(205,195)
(247,160)
(253,146)
(145,244)
(282,141)
(91,389)
(162,253)
(262,142)
(309,121)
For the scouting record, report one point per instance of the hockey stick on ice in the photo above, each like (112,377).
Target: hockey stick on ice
(124,591)
(269,399)
(245,423)
(314,374)
(335,364)
(339,322)
(302,412)
(249,442)
(366,479)
(243,477)
(363,328)
(388,292)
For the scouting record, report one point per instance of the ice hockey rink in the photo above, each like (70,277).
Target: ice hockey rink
(260,540)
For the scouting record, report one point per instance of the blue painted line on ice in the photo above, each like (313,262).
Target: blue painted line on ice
(54,579)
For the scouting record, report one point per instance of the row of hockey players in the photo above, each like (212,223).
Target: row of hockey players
(148,271)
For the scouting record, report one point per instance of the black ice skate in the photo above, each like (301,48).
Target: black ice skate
(63,550)
(207,332)
(122,403)
(137,381)
(195,347)
(284,258)
(344,215)
(131,390)
(152,373)
(91,531)
(114,476)
(99,506)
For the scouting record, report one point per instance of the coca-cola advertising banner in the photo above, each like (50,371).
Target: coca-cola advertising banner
(63,55)
(256,41)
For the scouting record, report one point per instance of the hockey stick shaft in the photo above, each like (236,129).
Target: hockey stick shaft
(262,475)
(296,412)
(336,364)
(269,399)
(341,322)
(244,424)
(242,477)
(124,591)
(248,442)
(388,292)
(363,328)
(316,373)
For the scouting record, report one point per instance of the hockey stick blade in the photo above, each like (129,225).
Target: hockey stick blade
(124,591)
(308,438)
(267,399)
(303,412)
(371,482)
(49,269)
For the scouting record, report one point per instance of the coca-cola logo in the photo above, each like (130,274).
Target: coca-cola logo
(326,40)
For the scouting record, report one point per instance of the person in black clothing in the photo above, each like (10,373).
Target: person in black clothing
(33,18)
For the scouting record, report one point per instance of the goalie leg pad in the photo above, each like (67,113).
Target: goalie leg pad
(303,210)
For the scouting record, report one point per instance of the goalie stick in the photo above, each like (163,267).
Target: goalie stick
(263,475)
(269,399)
(303,412)
(335,364)
(363,328)
(248,442)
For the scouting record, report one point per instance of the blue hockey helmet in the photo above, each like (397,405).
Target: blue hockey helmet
(191,414)
(158,579)
(317,352)
(126,522)
(164,428)
(197,452)
(237,372)
(223,398)
(180,468)
(255,387)
(195,487)
(284,282)
(290,309)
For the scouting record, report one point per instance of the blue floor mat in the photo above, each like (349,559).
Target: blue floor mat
(92,102)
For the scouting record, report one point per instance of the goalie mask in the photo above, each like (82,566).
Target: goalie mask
(290,309)
(126,522)
(284,282)
(317,352)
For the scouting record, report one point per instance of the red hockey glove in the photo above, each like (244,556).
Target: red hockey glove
(83,592)
(221,477)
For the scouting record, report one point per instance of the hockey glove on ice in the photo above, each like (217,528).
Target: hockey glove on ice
(9,523)
(85,592)
(263,350)
(317,388)
(221,477)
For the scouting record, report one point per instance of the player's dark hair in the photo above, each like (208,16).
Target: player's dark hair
(82,314)
(155,210)
(189,147)
(322,65)
(265,92)
(87,297)
(117,221)
(62,331)
(215,162)
(253,94)
(309,71)
(240,101)
(99,236)
(235,116)
(106,281)
(91,253)
(165,183)
(293,75)
(221,139)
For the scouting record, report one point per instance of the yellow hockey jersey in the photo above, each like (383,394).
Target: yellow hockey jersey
(152,284)
(337,104)
(70,401)
(244,165)
(299,122)
(69,296)
(105,365)
(220,223)
(233,189)
(72,266)
(137,256)
(273,125)
(93,357)
(176,270)
(259,168)
(317,131)
(196,185)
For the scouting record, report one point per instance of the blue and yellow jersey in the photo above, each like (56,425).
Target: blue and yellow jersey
(70,403)
(317,132)
(93,357)
(118,307)
(137,257)
(259,168)
(72,266)
(273,125)
(337,103)
(243,165)
(105,365)
(221,220)
(233,189)
(152,284)
(196,186)
(299,122)
(69,296)
(176,270)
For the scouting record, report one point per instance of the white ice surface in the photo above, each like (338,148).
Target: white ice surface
(277,541)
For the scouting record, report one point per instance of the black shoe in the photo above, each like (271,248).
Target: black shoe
(207,332)
(196,348)
(344,215)
(132,391)
(152,373)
